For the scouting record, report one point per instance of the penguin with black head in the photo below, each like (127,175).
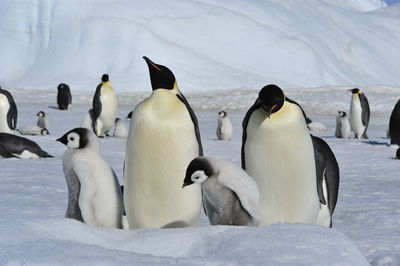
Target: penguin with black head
(163,138)
(359,113)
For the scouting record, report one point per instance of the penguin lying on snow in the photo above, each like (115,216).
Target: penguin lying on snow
(224,129)
(21,147)
(342,126)
(230,196)
(64,97)
(8,112)
(93,188)
(33,130)
(42,122)
(104,107)
(359,114)
(163,139)
(278,152)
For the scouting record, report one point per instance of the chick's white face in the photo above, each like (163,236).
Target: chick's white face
(73,140)
(198,177)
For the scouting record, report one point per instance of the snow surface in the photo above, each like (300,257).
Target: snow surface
(366,223)
(214,44)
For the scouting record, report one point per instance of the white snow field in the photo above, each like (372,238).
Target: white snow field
(215,44)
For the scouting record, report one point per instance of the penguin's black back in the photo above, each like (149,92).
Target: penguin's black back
(64,97)
(394,124)
(12,113)
(16,145)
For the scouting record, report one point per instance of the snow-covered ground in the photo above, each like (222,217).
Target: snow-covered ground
(366,223)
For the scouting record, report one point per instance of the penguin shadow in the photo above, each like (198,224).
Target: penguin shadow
(52,107)
(374,142)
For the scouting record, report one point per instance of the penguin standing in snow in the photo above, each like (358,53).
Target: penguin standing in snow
(359,114)
(21,147)
(327,171)
(394,125)
(342,126)
(8,112)
(230,196)
(120,130)
(42,122)
(278,152)
(163,139)
(64,97)
(93,188)
(224,129)
(104,107)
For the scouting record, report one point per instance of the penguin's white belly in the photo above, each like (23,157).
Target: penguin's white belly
(27,155)
(160,145)
(324,216)
(355,117)
(98,200)
(280,157)
(108,111)
(4,106)
(345,128)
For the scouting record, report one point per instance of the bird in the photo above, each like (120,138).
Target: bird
(163,139)
(21,147)
(64,97)
(343,129)
(394,125)
(328,177)
(42,122)
(359,114)
(33,130)
(105,107)
(129,116)
(93,189)
(120,130)
(224,129)
(230,195)
(278,152)
(8,112)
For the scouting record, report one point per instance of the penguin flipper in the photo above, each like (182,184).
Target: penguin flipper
(245,122)
(365,110)
(194,120)
(96,106)
(320,167)
(12,112)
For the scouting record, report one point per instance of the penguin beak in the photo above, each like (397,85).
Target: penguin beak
(185,184)
(150,63)
(63,140)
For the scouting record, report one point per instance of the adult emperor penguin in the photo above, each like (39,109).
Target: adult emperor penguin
(394,125)
(21,147)
(230,195)
(42,122)
(224,129)
(342,126)
(120,130)
(94,192)
(277,151)
(64,97)
(163,139)
(104,106)
(327,171)
(8,112)
(359,114)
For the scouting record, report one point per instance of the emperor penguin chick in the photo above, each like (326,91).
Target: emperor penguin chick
(120,130)
(42,122)
(230,196)
(342,126)
(224,129)
(94,192)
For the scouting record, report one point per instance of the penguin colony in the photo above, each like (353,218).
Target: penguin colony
(287,174)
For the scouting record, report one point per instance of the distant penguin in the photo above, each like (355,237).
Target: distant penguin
(64,97)
(224,129)
(33,130)
(88,120)
(21,147)
(342,126)
(93,188)
(129,116)
(278,152)
(230,195)
(105,106)
(359,114)
(8,112)
(394,125)
(327,171)
(42,122)
(120,130)
(163,139)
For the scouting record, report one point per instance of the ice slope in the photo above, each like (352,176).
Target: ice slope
(209,44)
